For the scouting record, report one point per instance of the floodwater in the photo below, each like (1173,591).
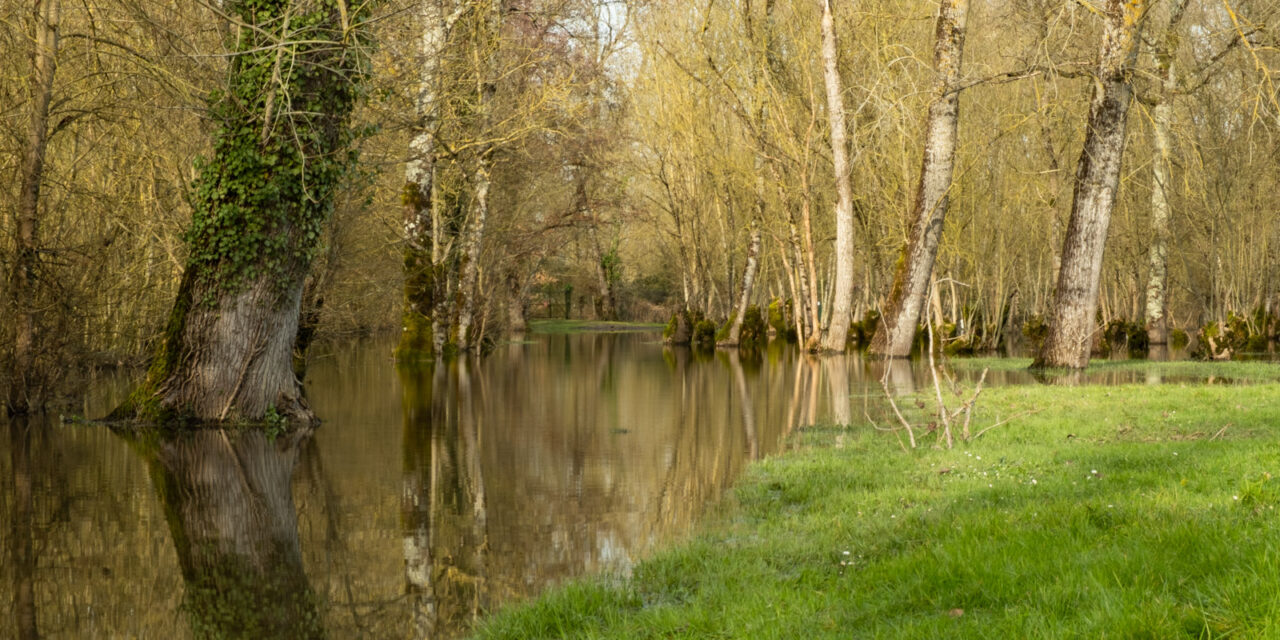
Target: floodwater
(429,496)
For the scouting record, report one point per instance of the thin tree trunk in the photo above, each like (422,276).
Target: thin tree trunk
(471,256)
(837,334)
(1157,285)
(897,329)
(424,281)
(748,284)
(1097,179)
(25,381)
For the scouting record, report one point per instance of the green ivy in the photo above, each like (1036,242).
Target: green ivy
(282,146)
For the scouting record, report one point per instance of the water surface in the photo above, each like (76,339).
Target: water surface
(429,496)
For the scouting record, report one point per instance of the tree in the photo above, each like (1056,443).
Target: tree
(1071,329)
(897,329)
(1162,121)
(23,276)
(260,202)
(841,310)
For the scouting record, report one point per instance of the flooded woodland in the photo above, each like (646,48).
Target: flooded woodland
(268,267)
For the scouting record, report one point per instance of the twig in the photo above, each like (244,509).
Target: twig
(911,434)
(1006,420)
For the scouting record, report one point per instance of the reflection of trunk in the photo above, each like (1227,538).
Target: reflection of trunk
(837,370)
(1157,285)
(902,310)
(443,509)
(230,509)
(1097,179)
(841,307)
(21,552)
(22,278)
(746,406)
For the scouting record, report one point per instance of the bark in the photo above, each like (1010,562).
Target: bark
(228,501)
(260,203)
(902,309)
(837,334)
(748,285)
(470,270)
(1071,329)
(422,295)
(1157,284)
(25,381)
(21,522)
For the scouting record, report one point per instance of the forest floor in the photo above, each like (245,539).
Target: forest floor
(1099,512)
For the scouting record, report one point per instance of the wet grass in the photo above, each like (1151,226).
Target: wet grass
(1105,512)
(588,326)
(1249,371)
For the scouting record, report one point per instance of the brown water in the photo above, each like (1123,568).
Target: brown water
(428,497)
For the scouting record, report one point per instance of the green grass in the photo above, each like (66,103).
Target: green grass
(1108,512)
(1255,371)
(588,326)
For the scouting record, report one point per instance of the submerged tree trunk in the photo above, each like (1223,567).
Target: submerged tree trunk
(25,381)
(260,203)
(1097,179)
(229,503)
(422,281)
(842,304)
(471,257)
(1157,284)
(902,310)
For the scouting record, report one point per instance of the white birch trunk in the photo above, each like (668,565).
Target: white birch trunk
(1157,284)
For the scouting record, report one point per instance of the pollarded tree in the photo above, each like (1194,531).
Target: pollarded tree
(282,146)
(1097,180)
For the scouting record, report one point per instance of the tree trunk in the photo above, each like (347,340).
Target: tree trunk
(25,381)
(902,310)
(841,315)
(259,206)
(422,281)
(1097,179)
(229,503)
(748,284)
(471,256)
(1157,284)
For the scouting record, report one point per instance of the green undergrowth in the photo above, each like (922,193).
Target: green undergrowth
(1245,371)
(588,326)
(1098,512)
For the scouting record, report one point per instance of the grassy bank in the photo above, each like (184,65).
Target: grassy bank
(1108,512)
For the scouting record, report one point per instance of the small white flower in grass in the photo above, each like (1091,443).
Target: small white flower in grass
(1033,481)
(979,457)
(1094,472)
(1235,497)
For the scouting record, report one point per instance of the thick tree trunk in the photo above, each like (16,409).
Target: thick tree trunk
(228,499)
(1097,179)
(260,204)
(842,304)
(1157,284)
(25,381)
(902,310)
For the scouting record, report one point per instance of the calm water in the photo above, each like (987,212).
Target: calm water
(429,495)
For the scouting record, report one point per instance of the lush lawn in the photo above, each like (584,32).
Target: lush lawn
(594,326)
(1109,512)
(1255,371)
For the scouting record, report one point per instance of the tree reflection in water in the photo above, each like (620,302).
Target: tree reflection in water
(22,555)
(443,511)
(228,502)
